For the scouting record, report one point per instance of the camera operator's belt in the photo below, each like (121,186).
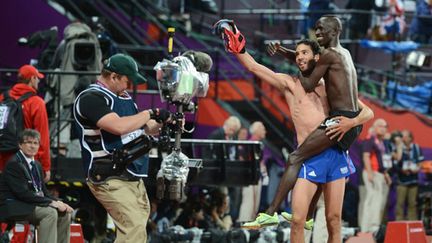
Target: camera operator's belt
(104,169)
(114,166)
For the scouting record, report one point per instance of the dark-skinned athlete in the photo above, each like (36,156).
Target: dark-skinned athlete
(337,69)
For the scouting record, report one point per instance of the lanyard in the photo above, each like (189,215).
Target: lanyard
(37,184)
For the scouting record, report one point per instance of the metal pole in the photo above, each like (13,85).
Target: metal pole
(222,15)
(58,120)
(261,25)
(182,6)
(178,131)
(217,75)
(393,75)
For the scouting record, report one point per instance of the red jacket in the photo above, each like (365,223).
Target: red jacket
(35,117)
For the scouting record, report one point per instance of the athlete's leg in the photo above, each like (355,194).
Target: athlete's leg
(303,193)
(333,197)
(313,204)
(315,143)
(320,233)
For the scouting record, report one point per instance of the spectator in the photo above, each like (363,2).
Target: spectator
(375,179)
(394,145)
(24,193)
(251,195)
(359,22)
(408,168)
(191,216)
(35,116)
(421,25)
(243,134)
(229,131)
(217,216)
(393,24)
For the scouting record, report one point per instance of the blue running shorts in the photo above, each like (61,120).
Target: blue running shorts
(329,165)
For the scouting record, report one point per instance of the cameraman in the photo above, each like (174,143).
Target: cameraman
(108,119)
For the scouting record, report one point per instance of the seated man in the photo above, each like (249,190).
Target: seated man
(23,193)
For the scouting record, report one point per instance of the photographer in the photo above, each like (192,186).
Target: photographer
(108,119)
(217,216)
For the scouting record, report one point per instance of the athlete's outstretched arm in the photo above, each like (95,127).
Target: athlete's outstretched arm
(278,80)
(275,47)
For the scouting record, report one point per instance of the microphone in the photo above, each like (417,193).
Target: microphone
(202,61)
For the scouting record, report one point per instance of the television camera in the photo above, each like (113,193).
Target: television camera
(179,80)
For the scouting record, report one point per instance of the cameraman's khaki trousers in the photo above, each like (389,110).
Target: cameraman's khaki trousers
(128,205)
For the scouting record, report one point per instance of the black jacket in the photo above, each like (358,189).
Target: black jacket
(17,194)
(215,152)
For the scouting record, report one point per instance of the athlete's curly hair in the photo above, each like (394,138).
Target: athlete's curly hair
(313,45)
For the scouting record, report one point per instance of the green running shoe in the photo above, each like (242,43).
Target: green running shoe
(261,221)
(308,224)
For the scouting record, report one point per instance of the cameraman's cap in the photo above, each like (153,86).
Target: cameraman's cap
(124,65)
(28,71)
